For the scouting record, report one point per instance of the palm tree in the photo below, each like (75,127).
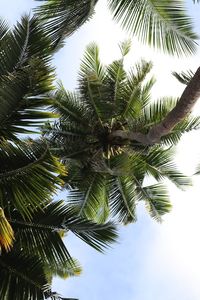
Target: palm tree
(31,225)
(161,24)
(106,168)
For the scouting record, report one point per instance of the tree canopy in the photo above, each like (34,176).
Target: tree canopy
(107,170)
(110,145)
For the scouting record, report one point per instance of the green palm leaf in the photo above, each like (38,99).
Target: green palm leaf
(62,18)
(160,164)
(161,24)
(184,77)
(91,196)
(24,280)
(136,95)
(188,124)
(116,74)
(64,271)
(28,176)
(91,84)
(123,199)
(156,200)
(19,45)
(68,106)
(41,235)
(98,236)
(41,252)
(25,76)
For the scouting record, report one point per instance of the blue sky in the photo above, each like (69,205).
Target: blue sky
(150,261)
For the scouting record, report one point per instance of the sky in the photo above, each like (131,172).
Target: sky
(150,261)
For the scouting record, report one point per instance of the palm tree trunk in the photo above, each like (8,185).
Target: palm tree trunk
(184,106)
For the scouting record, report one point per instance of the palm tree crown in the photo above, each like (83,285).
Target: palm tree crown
(105,172)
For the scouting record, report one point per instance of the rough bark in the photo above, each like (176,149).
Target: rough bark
(184,106)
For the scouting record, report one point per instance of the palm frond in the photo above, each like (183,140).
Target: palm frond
(57,217)
(19,113)
(28,176)
(188,124)
(92,85)
(25,76)
(98,236)
(42,240)
(68,140)
(91,195)
(22,277)
(6,233)
(19,45)
(69,107)
(136,99)
(156,111)
(125,47)
(62,18)
(91,65)
(156,199)
(116,76)
(64,270)
(160,164)
(162,24)
(184,77)
(4,28)
(123,199)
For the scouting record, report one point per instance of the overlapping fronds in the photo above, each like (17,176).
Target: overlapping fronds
(39,252)
(67,269)
(123,198)
(72,109)
(28,175)
(160,164)
(96,235)
(162,24)
(156,199)
(22,277)
(92,84)
(91,196)
(61,18)
(41,235)
(136,92)
(20,44)
(25,77)
(95,133)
